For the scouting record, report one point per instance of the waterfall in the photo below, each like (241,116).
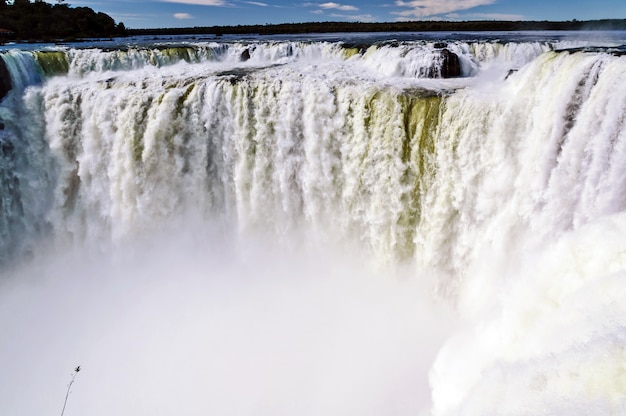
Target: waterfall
(505,183)
(409,172)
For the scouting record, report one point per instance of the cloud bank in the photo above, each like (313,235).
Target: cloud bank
(427,8)
(337,6)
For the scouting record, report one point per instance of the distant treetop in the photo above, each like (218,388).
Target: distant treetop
(40,21)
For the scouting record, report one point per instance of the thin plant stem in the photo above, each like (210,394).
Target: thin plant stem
(69,386)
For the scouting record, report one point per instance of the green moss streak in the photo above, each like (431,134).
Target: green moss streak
(350,52)
(139,129)
(53,62)
(421,120)
(180,54)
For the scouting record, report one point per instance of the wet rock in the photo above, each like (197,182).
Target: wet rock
(360,48)
(245,55)
(5,79)
(6,148)
(450,64)
(446,65)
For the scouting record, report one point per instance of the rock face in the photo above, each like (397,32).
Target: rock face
(245,55)
(450,64)
(446,65)
(5,79)
(6,149)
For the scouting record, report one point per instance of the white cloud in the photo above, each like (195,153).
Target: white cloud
(337,6)
(318,12)
(425,8)
(182,16)
(200,2)
(256,3)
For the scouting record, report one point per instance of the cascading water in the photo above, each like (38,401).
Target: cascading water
(505,185)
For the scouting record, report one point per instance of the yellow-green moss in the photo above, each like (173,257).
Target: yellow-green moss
(53,62)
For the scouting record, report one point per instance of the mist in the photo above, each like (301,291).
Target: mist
(197,322)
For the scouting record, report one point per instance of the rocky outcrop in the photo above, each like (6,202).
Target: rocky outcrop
(446,64)
(450,64)
(7,149)
(5,79)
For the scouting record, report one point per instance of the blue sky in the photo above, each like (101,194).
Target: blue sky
(185,13)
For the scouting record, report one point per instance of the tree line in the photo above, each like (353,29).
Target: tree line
(414,26)
(25,20)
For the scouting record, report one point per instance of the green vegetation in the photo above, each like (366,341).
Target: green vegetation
(53,62)
(416,26)
(36,21)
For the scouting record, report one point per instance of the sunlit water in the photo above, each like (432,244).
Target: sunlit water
(316,226)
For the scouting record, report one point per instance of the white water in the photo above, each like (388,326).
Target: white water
(344,188)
